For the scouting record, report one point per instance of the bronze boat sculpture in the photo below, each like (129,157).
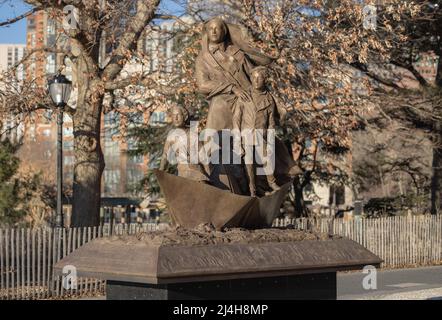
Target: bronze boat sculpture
(192,203)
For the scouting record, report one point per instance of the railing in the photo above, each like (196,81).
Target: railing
(27,256)
(399,241)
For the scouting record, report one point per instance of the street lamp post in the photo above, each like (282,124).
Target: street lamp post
(60,91)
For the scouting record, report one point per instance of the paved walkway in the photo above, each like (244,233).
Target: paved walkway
(418,283)
(398,284)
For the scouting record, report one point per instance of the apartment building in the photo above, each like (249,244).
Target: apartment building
(10,56)
(123,172)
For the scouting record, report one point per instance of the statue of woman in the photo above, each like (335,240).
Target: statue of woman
(223,70)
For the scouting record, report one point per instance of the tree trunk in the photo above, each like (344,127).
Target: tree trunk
(436,179)
(89,159)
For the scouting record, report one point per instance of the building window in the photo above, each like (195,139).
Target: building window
(111,119)
(50,63)
(51,26)
(131,143)
(33,40)
(68,160)
(31,23)
(111,129)
(135,119)
(157,118)
(138,159)
(134,176)
(337,195)
(111,181)
(154,162)
(68,145)
(68,131)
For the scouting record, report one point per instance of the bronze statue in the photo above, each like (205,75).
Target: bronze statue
(223,70)
(255,117)
(178,147)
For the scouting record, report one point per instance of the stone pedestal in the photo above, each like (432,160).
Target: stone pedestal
(320,286)
(271,270)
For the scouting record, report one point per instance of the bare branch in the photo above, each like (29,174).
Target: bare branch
(137,24)
(422,81)
(20,17)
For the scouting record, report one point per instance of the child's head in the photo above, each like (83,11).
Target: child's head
(258,78)
(179,116)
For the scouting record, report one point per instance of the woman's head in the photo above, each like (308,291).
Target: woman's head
(216,30)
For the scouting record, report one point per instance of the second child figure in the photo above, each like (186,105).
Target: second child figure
(254,118)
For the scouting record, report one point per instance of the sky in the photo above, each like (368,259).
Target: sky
(16,33)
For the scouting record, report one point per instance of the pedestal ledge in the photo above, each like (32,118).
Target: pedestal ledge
(146,261)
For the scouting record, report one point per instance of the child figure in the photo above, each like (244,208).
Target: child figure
(178,142)
(254,118)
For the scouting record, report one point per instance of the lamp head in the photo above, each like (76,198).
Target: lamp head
(60,90)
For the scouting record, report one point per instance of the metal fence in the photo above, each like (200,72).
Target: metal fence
(399,241)
(27,256)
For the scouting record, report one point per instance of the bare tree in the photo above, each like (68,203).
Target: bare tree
(403,93)
(116,26)
(382,41)
(318,45)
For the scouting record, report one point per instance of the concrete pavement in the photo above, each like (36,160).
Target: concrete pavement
(416,283)
(397,284)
